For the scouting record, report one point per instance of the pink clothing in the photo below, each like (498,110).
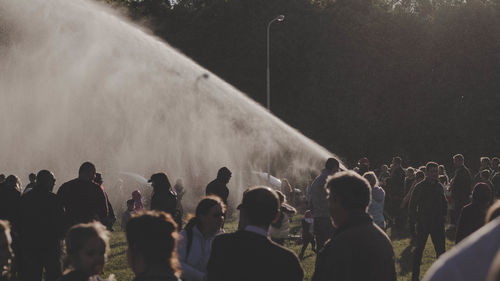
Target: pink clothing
(136,195)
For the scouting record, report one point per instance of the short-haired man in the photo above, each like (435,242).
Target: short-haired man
(427,210)
(248,254)
(460,186)
(323,228)
(358,250)
(218,186)
(82,199)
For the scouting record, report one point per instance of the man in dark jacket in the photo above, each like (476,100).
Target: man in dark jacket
(81,199)
(163,198)
(427,210)
(460,186)
(358,250)
(219,185)
(40,231)
(248,254)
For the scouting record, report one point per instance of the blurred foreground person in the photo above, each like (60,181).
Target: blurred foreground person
(473,215)
(471,259)
(323,228)
(219,185)
(5,250)
(87,245)
(40,231)
(196,239)
(248,254)
(82,199)
(358,250)
(428,209)
(152,241)
(9,200)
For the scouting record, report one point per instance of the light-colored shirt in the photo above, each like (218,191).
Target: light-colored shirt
(256,229)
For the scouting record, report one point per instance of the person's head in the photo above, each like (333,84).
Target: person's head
(136,195)
(224,174)
(32,178)
(160,180)
(371,178)
(209,215)
(87,245)
(308,214)
(419,175)
(441,170)
(397,161)
(98,178)
(495,161)
(332,165)
(45,180)
(493,212)
(458,160)
(410,172)
(5,247)
(442,179)
(364,163)
(12,181)
(485,174)
(422,168)
(348,193)
(2,178)
(259,207)
(384,168)
(431,171)
(152,240)
(482,195)
(87,171)
(130,204)
(485,162)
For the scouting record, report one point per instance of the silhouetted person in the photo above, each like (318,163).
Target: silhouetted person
(363,165)
(473,215)
(152,240)
(31,184)
(460,186)
(82,199)
(163,198)
(395,190)
(219,185)
(2,178)
(111,218)
(323,228)
(180,191)
(248,254)
(428,208)
(9,200)
(40,231)
(358,250)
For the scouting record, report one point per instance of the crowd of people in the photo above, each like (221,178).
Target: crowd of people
(65,235)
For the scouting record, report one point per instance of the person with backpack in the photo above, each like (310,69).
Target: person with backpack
(197,237)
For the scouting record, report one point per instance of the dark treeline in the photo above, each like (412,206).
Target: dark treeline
(362,78)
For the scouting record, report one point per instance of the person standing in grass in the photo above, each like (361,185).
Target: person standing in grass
(358,250)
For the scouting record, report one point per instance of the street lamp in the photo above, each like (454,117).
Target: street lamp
(277,18)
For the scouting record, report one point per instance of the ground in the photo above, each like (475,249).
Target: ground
(117,259)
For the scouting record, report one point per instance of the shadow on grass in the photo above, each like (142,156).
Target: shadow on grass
(117,254)
(405,260)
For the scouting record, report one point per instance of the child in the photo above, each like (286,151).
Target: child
(128,213)
(86,249)
(279,230)
(307,233)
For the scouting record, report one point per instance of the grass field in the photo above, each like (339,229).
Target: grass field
(117,260)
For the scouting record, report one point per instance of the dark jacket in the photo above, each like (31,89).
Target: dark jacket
(219,188)
(82,201)
(40,220)
(157,273)
(471,219)
(247,256)
(396,182)
(428,204)
(9,204)
(461,184)
(358,251)
(164,199)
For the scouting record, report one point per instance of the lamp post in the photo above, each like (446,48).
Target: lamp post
(278,18)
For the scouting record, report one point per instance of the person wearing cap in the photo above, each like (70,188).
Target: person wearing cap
(163,198)
(323,228)
(248,254)
(358,250)
(218,186)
